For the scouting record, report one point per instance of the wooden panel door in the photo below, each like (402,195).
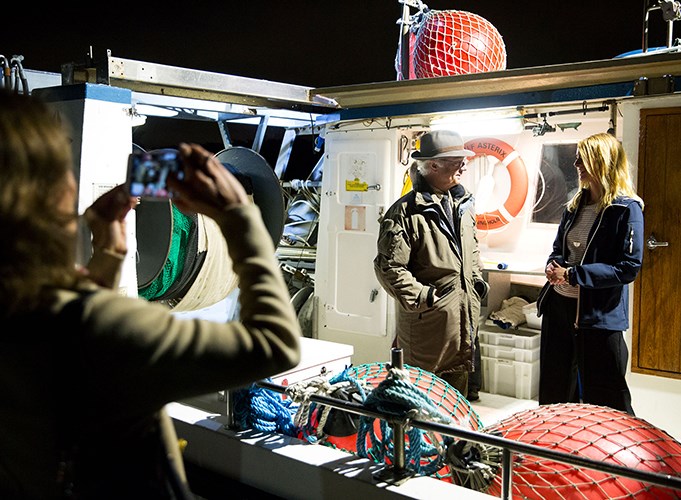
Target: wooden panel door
(656,329)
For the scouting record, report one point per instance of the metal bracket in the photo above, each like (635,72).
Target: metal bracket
(654,86)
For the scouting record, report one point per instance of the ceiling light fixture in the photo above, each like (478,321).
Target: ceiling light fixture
(478,124)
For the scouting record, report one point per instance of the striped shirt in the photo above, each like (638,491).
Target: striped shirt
(577,238)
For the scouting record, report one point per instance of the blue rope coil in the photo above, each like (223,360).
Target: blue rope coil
(264,410)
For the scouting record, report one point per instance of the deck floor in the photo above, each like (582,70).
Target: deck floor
(493,408)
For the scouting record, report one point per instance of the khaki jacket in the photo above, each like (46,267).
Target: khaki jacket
(421,255)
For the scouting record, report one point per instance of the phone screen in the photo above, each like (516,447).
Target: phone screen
(148,173)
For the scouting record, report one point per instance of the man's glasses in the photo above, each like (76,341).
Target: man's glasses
(455,163)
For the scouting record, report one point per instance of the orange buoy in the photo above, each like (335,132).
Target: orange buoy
(515,165)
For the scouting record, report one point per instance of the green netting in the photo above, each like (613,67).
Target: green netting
(174,264)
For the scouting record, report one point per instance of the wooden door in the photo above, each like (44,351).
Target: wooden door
(656,329)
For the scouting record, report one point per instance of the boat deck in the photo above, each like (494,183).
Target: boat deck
(493,408)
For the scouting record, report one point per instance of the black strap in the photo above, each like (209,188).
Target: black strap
(446,203)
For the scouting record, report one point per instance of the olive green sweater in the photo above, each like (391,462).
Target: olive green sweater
(89,378)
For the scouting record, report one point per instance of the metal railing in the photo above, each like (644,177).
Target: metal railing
(398,472)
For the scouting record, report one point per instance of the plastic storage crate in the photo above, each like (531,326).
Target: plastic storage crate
(510,378)
(512,353)
(529,340)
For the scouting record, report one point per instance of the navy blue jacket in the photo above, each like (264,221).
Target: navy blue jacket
(612,260)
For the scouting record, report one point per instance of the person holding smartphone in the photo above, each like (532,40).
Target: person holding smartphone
(85,373)
(597,252)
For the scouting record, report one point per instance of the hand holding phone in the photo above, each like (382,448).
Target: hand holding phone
(148,173)
(208,187)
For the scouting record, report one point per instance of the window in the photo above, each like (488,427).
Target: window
(557,182)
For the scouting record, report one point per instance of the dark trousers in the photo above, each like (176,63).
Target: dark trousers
(458,380)
(580,364)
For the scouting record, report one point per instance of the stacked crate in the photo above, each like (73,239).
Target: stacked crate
(510,360)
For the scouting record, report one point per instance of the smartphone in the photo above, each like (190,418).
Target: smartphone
(148,173)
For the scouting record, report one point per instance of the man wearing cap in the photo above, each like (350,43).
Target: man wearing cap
(428,260)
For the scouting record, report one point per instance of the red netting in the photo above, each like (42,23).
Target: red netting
(594,432)
(450,401)
(456,42)
(446,398)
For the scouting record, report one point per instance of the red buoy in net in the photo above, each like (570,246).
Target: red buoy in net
(456,42)
(343,434)
(589,431)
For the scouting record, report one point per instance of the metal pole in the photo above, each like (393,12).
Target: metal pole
(646,14)
(231,414)
(670,33)
(506,473)
(404,43)
(396,360)
(398,472)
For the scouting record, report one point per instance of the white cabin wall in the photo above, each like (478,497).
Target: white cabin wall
(345,274)
(523,244)
(345,279)
(352,307)
(99,120)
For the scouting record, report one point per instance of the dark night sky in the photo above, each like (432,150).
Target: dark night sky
(313,43)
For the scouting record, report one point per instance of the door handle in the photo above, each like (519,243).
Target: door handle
(652,243)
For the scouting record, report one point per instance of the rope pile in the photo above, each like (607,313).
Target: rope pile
(397,396)
(408,393)
(263,410)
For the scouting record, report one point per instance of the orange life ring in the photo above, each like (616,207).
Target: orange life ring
(510,158)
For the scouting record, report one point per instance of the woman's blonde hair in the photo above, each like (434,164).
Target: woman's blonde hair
(38,251)
(606,161)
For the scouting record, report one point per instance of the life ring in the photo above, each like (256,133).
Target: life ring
(515,165)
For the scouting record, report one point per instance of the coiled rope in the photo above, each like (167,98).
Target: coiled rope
(264,410)
(397,396)
(311,430)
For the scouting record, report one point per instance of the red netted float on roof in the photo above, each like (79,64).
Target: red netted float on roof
(456,42)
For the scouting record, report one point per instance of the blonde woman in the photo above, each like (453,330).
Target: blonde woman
(597,252)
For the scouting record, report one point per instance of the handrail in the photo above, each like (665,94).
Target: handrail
(507,445)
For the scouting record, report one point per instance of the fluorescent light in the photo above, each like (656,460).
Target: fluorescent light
(477,124)
(148,110)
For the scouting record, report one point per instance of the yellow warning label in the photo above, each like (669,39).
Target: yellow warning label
(356,185)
